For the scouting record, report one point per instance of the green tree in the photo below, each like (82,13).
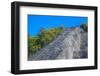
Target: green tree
(84,27)
(41,35)
(62,27)
(33,44)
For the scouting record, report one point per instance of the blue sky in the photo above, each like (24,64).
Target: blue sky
(35,22)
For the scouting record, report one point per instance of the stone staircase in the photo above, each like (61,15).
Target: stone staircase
(65,46)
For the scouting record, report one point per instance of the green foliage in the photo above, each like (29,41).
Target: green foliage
(44,37)
(33,44)
(84,27)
